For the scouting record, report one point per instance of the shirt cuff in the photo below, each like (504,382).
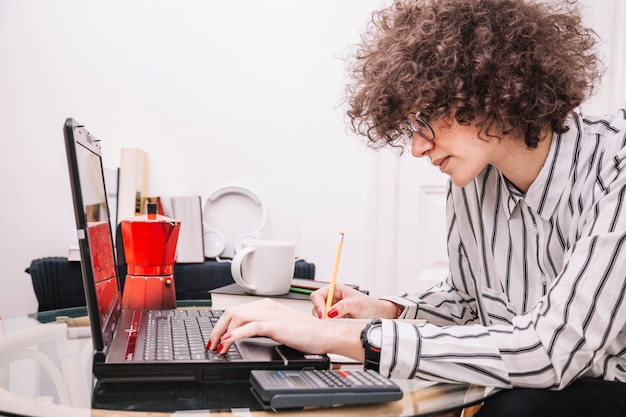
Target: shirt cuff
(401,349)
(409,310)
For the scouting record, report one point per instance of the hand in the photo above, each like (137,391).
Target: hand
(350,303)
(290,327)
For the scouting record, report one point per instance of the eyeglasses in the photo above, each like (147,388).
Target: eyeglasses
(415,123)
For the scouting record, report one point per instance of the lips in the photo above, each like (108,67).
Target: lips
(442,163)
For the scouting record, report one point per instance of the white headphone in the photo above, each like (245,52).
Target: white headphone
(214,240)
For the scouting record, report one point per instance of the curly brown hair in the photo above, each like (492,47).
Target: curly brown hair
(510,66)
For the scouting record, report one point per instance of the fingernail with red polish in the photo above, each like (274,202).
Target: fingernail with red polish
(219,348)
(226,336)
(208,345)
(332,313)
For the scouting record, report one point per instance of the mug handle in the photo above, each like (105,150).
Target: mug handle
(235,268)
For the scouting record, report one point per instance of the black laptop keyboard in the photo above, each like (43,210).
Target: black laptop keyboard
(182,335)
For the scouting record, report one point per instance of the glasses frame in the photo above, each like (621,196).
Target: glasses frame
(415,123)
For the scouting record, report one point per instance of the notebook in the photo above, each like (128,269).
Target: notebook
(122,349)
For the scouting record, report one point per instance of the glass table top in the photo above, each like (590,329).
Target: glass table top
(45,370)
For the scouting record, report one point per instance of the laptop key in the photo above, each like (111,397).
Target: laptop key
(182,335)
(214,356)
(198,356)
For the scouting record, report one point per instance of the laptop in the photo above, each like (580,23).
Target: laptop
(123,348)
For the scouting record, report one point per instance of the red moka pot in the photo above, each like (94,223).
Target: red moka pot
(150,250)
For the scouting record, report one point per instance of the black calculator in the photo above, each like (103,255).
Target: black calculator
(297,389)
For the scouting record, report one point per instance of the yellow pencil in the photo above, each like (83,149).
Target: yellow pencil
(333,280)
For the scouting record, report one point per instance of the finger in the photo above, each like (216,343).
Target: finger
(247,330)
(318,298)
(218,330)
(320,294)
(304,333)
(341,309)
(351,308)
(231,317)
(240,315)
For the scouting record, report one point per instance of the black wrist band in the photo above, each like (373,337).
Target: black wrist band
(371,338)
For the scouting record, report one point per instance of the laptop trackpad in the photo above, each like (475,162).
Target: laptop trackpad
(264,349)
(258,349)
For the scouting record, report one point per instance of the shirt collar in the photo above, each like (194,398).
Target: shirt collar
(545,192)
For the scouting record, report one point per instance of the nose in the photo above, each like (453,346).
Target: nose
(420,146)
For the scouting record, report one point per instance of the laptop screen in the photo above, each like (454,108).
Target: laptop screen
(94,231)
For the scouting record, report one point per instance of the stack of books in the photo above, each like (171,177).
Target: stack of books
(297,298)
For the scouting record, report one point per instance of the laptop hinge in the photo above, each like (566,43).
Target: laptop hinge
(99,357)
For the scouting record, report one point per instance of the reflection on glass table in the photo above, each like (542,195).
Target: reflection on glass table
(45,370)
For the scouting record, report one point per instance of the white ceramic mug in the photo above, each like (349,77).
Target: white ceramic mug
(264,267)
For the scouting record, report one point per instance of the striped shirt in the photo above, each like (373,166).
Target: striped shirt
(536,293)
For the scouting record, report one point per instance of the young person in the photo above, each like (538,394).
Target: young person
(535,300)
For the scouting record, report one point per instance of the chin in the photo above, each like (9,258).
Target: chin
(460,182)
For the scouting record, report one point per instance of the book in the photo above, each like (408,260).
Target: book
(309,284)
(73,254)
(111,179)
(111,176)
(233,295)
(132,184)
(187,210)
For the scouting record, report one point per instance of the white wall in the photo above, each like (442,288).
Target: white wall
(409,252)
(218,93)
(607,18)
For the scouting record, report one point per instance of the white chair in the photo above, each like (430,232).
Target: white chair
(63,359)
